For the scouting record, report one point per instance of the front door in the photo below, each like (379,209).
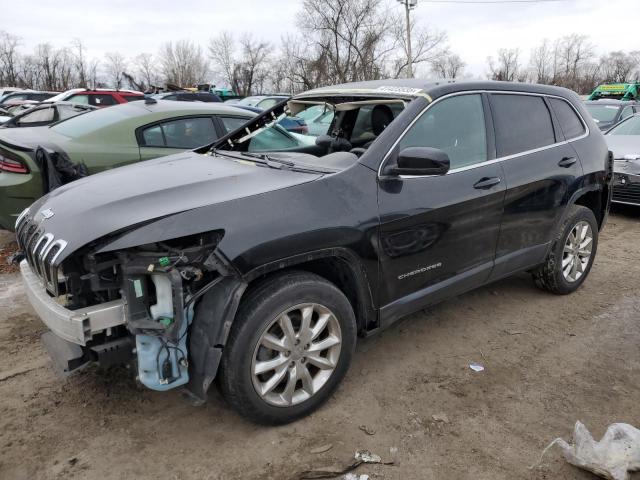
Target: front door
(438,234)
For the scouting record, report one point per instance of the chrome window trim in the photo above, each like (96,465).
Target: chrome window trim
(486,162)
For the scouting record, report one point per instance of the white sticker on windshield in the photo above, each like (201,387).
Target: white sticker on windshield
(403,90)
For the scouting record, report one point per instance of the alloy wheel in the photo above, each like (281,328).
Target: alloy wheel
(296,354)
(577,251)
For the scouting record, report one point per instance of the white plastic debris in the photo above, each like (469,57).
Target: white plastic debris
(365,456)
(355,476)
(476,367)
(613,457)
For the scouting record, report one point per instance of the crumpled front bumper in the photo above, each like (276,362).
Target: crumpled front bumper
(76,326)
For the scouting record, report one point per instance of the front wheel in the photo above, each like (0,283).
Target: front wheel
(572,254)
(291,344)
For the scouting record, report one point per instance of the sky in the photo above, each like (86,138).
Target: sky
(475,31)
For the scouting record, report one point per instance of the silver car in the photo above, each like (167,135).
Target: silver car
(624,141)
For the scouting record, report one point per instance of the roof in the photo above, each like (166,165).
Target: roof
(185,108)
(414,88)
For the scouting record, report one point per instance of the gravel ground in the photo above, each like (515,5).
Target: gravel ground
(549,362)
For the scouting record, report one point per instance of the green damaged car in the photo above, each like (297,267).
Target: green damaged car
(101,140)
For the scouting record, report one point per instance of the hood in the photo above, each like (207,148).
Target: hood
(622,145)
(111,202)
(29,138)
(625,146)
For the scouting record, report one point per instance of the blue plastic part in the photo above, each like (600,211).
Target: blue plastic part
(152,355)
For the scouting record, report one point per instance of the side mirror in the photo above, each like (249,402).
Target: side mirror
(421,161)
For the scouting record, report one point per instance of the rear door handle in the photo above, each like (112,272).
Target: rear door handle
(486,183)
(566,162)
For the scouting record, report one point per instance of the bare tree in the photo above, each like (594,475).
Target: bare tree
(426,45)
(115,67)
(447,65)
(506,66)
(347,39)
(541,63)
(617,67)
(222,54)
(80,62)
(252,69)
(56,70)
(9,58)
(183,63)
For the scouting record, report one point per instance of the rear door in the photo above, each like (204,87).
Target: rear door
(541,170)
(176,135)
(438,234)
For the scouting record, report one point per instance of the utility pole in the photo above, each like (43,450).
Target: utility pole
(408,6)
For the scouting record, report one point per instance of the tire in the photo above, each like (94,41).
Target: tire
(263,315)
(552,275)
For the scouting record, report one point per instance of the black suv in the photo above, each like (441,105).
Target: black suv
(260,260)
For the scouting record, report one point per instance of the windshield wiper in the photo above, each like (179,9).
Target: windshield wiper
(267,161)
(259,158)
(266,158)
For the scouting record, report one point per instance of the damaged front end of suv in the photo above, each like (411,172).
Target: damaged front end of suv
(133,306)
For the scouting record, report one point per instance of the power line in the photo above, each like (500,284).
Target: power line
(491,1)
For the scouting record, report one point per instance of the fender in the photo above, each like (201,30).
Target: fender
(217,310)
(367,316)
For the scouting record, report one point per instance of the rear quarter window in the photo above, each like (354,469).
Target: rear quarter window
(570,122)
(522,123)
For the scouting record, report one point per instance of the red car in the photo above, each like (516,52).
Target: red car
(98,97)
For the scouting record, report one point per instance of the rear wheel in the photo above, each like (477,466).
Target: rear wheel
(572,254)
(291,344)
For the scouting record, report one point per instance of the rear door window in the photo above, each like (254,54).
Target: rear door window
(232,123)
(184,133)
(100,100)
(522,123)
(570,122)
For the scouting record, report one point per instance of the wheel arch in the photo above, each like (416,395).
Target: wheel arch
(595,198)
(216,311)
(340,266)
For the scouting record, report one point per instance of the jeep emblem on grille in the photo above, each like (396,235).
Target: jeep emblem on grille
(46,214)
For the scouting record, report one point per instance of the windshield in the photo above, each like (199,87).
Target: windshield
(630,126)
(250,101)
(317,129)
(84,124)
(603,113)
(61,96)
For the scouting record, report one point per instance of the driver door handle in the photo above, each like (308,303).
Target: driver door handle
(566,162)
(486,183)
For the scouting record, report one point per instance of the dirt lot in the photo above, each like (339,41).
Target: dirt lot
(549,362)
